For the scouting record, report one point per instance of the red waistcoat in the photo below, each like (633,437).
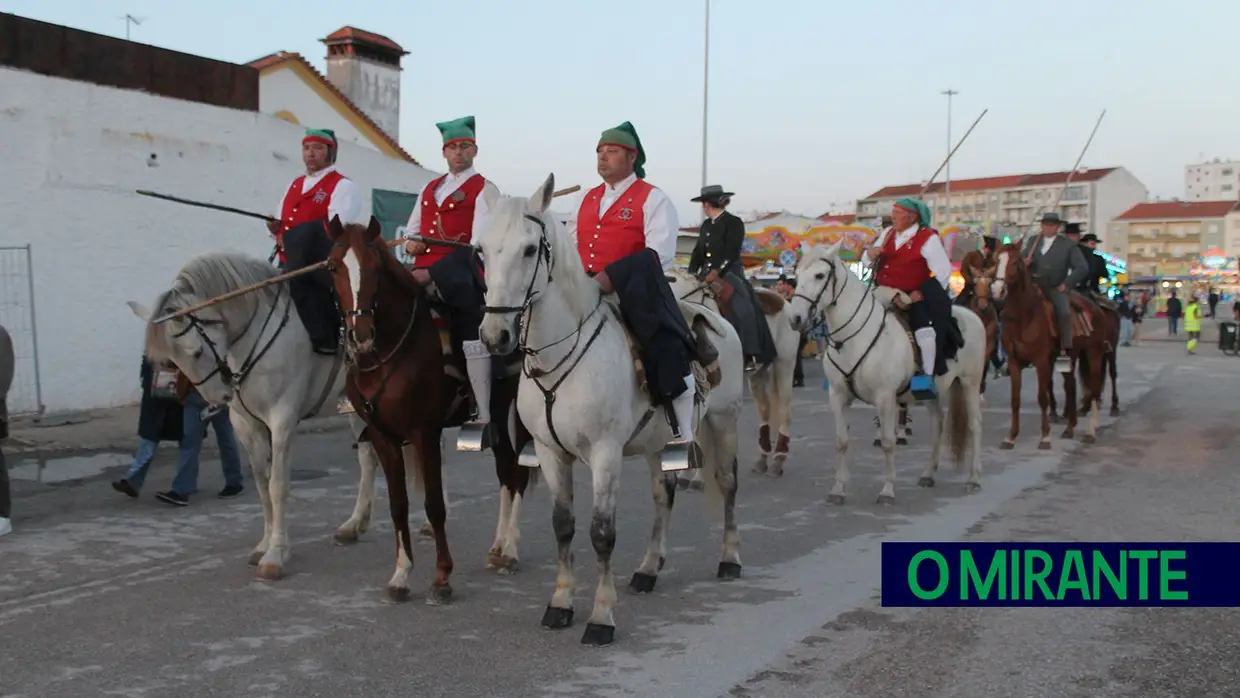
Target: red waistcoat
(456,216)
(309,206)
(618,233)
(903,267)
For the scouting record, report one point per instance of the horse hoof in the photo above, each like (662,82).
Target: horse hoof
(729,571)
(759,467)
(427,531)
(836,499)
(901,441)
(662,561)
(557,618)
(886,500)
(345,536)
(438,596)
(1114,411)
(1044,445)
(269,572)
(642,583)
(683,483)
(878,442)
(1054,419)
(508,565)
(1007,446)
(972,487)
(495,559)
(925,482)
(396,595)
(597,635)
(696,485)
(255,556)
(1089,439)
(776,472)
(1067,434)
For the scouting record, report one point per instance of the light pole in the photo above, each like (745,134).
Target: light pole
(705,86)
(947,177)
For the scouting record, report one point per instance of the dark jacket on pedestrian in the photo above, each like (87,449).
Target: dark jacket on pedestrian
(159,419)
(1175,308)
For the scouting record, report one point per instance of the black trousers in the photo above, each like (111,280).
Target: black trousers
(313,294)
(459,280)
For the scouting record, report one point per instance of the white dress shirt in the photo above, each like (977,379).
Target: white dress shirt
(1047,242)
(450,184)
(659,215)
(932,251)
(346,200)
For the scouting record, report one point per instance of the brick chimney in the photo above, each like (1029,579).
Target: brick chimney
(366,67)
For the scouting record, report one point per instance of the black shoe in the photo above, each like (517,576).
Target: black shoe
(231,491)
(122,485)
(172,497)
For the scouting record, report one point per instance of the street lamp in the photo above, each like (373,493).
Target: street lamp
(948,175)
(705,87)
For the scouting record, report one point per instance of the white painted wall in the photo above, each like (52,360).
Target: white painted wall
(1112,195)
(74,153)
(285,90)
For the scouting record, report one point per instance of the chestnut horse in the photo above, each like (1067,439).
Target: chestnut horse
(1108,327)
(1029,338)
(398,385)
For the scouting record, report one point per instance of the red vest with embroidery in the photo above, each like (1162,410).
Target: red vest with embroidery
(309,206)
(903,267)
(618,233)
(456,217)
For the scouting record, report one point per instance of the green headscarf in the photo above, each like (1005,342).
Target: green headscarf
(919,207)
(461,129)
(326,136)
(625,136)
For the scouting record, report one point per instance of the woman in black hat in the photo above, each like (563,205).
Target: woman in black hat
(717,257)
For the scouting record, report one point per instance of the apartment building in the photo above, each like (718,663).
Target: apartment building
(1011,203)
(1217,180)
(1166,238)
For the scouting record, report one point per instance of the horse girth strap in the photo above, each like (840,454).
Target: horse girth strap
(549,394)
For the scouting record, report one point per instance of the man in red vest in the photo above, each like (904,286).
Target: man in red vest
(452,208)
(912,259)
(301,234)
(626,236)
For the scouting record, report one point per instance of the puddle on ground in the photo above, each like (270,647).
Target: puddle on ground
(51,471)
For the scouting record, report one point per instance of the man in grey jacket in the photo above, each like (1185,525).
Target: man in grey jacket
(1057,266)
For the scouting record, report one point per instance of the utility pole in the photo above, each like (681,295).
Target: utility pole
(705,87)
(947,177)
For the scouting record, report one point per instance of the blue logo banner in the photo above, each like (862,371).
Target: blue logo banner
(1060,574)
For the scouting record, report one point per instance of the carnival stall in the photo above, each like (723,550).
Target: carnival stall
(771,246)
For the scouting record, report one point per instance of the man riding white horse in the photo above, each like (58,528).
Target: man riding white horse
(716,260)
(453,209)
(301,234)
(626,233)
(910,258)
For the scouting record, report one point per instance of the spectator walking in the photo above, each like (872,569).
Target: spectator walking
(1192,323)
(1175,310)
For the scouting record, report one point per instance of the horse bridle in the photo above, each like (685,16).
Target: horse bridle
(230,378)
(526,309)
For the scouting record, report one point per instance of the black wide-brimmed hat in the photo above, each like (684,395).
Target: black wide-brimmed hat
(712,192)
(1090,237)
(1051,217)
(1072,229)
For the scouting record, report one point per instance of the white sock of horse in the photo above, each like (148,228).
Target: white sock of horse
(478,368)
(683,407)
(925,341)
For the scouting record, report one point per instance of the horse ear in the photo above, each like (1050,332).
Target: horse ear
(542,196)
(374,230)
(140,310)
(833,250)
(334,229)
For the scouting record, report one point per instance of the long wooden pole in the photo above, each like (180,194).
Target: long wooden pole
(948,159)
(315,267)
(1072,172)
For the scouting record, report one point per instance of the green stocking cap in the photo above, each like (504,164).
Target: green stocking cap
(625,136)
(461,129)
(916,206)
(326,136)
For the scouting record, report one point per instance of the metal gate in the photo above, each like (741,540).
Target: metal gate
(18,317)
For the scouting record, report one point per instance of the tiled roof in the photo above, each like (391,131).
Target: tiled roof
(986,183)
(279,57)
(363,36)
(1165,210)
(841,218)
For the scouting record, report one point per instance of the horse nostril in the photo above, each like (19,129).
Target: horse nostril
(504,336)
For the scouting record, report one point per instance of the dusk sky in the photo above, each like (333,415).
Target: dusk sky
(812,105)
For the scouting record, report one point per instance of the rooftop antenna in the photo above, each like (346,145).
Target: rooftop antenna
(130,20)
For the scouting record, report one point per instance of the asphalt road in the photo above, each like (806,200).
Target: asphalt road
(102,595)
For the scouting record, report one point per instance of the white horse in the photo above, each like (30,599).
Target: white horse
(253,354)
(580,397)
(876,362)
(770,385)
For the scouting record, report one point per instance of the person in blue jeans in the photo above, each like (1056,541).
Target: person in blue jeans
(193,430)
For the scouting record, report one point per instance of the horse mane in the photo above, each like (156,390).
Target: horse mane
(580,291)
(393,269)
(205,277)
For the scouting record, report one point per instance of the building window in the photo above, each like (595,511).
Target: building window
(1226,187)
(1227,171)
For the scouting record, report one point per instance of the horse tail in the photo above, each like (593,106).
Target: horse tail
(961,425)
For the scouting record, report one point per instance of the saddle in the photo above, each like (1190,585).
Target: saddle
(1081,310)
(953,335)
(770,301)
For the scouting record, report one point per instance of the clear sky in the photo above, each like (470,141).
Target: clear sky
(811,103)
